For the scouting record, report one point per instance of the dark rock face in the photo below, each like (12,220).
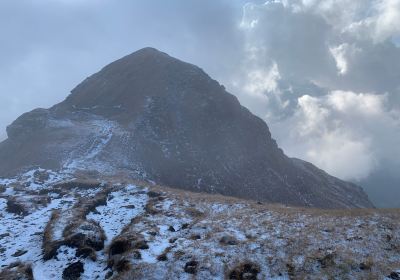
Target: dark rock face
(155,117)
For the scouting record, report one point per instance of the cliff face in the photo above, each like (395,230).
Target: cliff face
(157,118)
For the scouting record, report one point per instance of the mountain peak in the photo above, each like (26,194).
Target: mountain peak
(157,118)
(147,55)
(149,51)
(130,80)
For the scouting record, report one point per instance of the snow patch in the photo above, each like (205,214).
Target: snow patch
(122,206)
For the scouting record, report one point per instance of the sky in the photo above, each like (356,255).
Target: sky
(323,74)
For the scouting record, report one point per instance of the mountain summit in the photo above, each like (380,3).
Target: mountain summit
(151,116)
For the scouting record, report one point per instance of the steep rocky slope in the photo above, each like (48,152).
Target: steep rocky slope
(63,226)
(153,117)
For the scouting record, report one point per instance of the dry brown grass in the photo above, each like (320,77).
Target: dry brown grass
(200,197)
(193,212)
(150,207)
(319,235)
(84,205)
(119,246)
(125,246)
(15,207)
(17,271)
(74,238)
(49,245)
(79,184)
(86,252)
(71,236)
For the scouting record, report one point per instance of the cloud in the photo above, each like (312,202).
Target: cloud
(350,103)
(333,132)
(345,133)
(340,53)
(260,81)
(335,100)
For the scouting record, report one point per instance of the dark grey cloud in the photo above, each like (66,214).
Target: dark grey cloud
(324,74)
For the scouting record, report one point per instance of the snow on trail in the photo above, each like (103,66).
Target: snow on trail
(104,130)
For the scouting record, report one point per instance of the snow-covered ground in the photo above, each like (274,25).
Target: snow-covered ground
(122,206)
(168,234)
(21,236)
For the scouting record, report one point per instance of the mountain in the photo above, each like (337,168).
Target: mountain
(153,117)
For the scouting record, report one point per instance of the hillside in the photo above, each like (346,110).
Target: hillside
(66,226)
(155,118)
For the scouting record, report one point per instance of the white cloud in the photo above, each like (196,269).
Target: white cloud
(337,95)
(387,21)
(320,131)
(348,102)
(343,155)
(311,117)
(339,54)
(344,133)
(260,81)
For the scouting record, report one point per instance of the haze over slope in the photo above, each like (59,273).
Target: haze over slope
(157,118)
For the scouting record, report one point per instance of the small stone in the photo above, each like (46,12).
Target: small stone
(153,194)
(136,255)
(162,257)
(141,244)
(172,240)
(246,271)
(191,267)
(228,240)
(4,235)
(185,226)
(19,253)
(195,237)
(108,275)
(394,275)
(171,229)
